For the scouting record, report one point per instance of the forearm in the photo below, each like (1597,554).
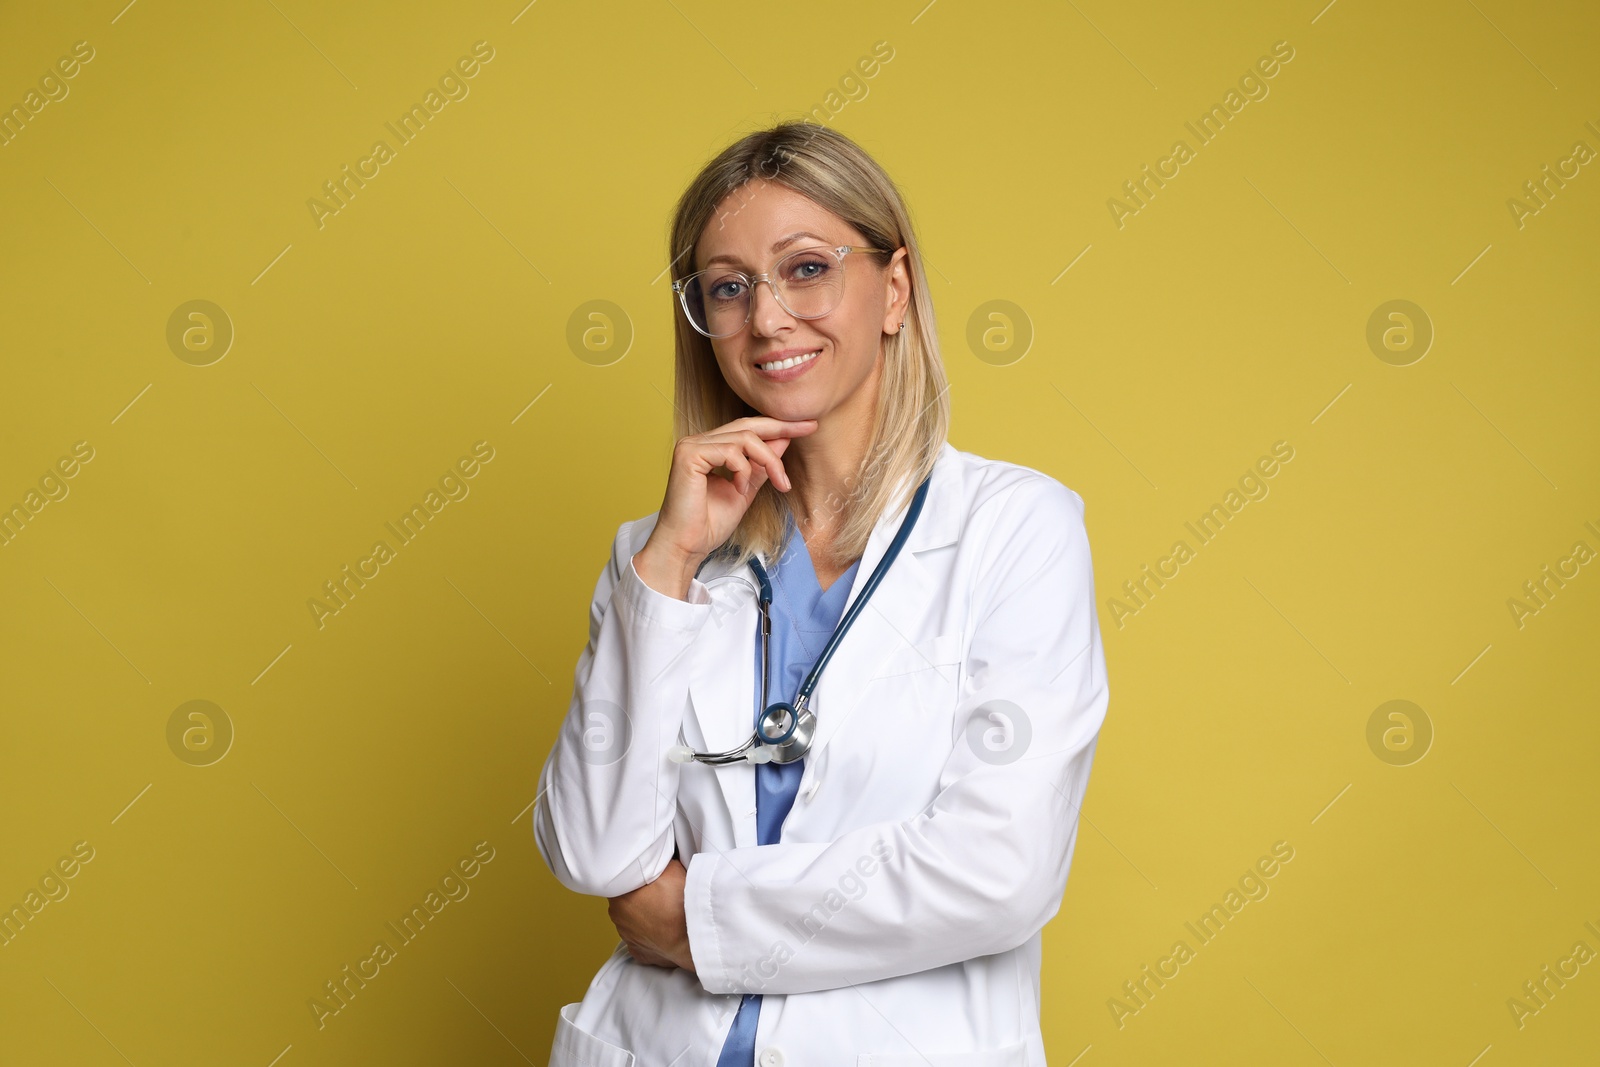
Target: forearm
(966,879)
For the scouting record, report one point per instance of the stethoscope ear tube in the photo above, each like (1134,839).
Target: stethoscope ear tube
(784,731)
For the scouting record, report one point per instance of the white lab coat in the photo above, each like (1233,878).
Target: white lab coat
(897,921)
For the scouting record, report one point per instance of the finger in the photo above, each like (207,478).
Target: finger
(774,465)
(768,431)
(765,454)
(738,466)
(707,455)
(779,447)
(758,473)
(758,478)
(761,437)
(647,955)
(736,452)
(767,426)
(740,453)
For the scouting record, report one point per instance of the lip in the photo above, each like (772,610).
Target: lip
(790,373)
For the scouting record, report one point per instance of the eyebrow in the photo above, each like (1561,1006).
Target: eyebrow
(777,246)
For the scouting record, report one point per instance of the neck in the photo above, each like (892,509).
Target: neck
(829,461)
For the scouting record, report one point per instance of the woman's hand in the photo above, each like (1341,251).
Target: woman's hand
(651,920)
(701,509)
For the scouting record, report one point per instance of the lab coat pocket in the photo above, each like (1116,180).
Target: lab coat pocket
(1010,1056)
(924,680)
(940,652)
(578,1048)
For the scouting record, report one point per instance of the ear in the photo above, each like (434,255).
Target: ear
(897,290)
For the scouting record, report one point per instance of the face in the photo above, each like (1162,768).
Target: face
(754,227)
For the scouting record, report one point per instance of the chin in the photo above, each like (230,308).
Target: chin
(790,414)
(797,407)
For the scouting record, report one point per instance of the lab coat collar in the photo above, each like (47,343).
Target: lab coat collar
(722,676)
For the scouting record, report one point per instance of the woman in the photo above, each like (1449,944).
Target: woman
(879,899)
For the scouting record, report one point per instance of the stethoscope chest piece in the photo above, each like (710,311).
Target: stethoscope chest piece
(786,733)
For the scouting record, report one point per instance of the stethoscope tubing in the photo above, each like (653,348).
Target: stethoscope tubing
(798,710)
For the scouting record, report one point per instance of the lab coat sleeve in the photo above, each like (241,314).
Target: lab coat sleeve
(604,811)
(984,866)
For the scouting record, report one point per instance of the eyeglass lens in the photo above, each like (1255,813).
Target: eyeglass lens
(808,284)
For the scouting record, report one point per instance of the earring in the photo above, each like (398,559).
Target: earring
(902,325)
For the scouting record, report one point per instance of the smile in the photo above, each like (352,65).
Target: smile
(793,361)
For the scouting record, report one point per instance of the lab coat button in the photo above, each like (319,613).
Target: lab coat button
(771,1057)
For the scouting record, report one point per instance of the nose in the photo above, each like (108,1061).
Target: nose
(767,315)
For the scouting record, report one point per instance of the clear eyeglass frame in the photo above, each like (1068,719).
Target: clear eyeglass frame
(838,252)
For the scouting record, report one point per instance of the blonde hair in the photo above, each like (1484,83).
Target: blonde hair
(912,417)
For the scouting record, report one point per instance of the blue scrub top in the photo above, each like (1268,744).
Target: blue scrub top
(803,618)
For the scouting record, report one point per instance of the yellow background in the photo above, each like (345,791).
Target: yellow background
(428,314)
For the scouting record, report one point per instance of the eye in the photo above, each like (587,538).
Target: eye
(807,267)
(727,289)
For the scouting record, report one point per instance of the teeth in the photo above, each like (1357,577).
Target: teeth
(785,364)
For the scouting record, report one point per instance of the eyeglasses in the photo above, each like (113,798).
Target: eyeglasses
(807,284)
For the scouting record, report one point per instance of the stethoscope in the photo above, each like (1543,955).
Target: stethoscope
(784,730)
